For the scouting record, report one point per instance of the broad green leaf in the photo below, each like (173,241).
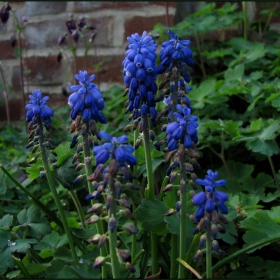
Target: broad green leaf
(265,147)
(63,254)
(151,216)
(33,268)
(13,274)
(67,174)
(37,225)
(259,226)
(52,241)
(234,74)
(63,153)
(274,214)
(6,222)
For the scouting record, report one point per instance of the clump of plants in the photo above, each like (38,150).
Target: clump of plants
(183,183)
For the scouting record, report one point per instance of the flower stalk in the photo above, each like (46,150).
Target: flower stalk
(54,192)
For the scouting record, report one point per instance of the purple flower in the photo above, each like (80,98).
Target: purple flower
(86,100)
(140,74)
(38,107)
(176,51)
(211,199)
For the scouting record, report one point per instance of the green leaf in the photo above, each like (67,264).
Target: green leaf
(6,222)
(33,268)
(267,148)
(3,187)
(67,174)
(151,216)
(274,214)
(63,152)
(13,274)
(234,74)
(259,226)
(37,225)
(52,241)
(63,254)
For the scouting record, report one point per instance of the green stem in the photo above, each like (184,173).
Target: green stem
(274,173)
(22,267)
(173,265)
(151,189)
(148,158)
(234,255)
(245,22)
(5,94)
(200,55)
(78,207)
(55,194)
(270,16)
(88,168)
(135,153)
(183,216)
(209,248)
(113,235)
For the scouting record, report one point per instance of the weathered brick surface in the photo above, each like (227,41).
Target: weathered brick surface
(110,71)
(44,70)
(6,50)
(16,110)
(44,34)
(139,24)
(15,81)
(45,8)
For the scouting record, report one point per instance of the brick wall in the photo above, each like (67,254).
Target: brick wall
(114,21)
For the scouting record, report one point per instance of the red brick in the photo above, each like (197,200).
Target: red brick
(45,8)
(44,70)
(96,6)
(6,50)
(110,71)
(16,109)
(140,24)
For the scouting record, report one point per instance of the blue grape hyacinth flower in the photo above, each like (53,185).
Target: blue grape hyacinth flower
(121,153)
(86,100)
(38,107)
(176,51)
(183,129)
(211,199)
(140,72)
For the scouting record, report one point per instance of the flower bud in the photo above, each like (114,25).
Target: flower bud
(79,166)
(112,224)
(197,256)
(95,238)
(93,219)
(124,203)
(96,208)
(182,186)
(42,174)
(78,179)
(193,184)
(122,254)
(113,167)
(215,246)
(99,261)
(132,187)
(109,199)
(202,241)
(130,267)
(130,228)
(214,230)
(172,177)
(170,212)
(118,188)
(178,206)
(167,188)
(223,219)
(102,240)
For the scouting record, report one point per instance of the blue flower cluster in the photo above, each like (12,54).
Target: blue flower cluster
(38,107)
(176,51)
(183,129)
(87,100)
(140,74)
(211,199)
